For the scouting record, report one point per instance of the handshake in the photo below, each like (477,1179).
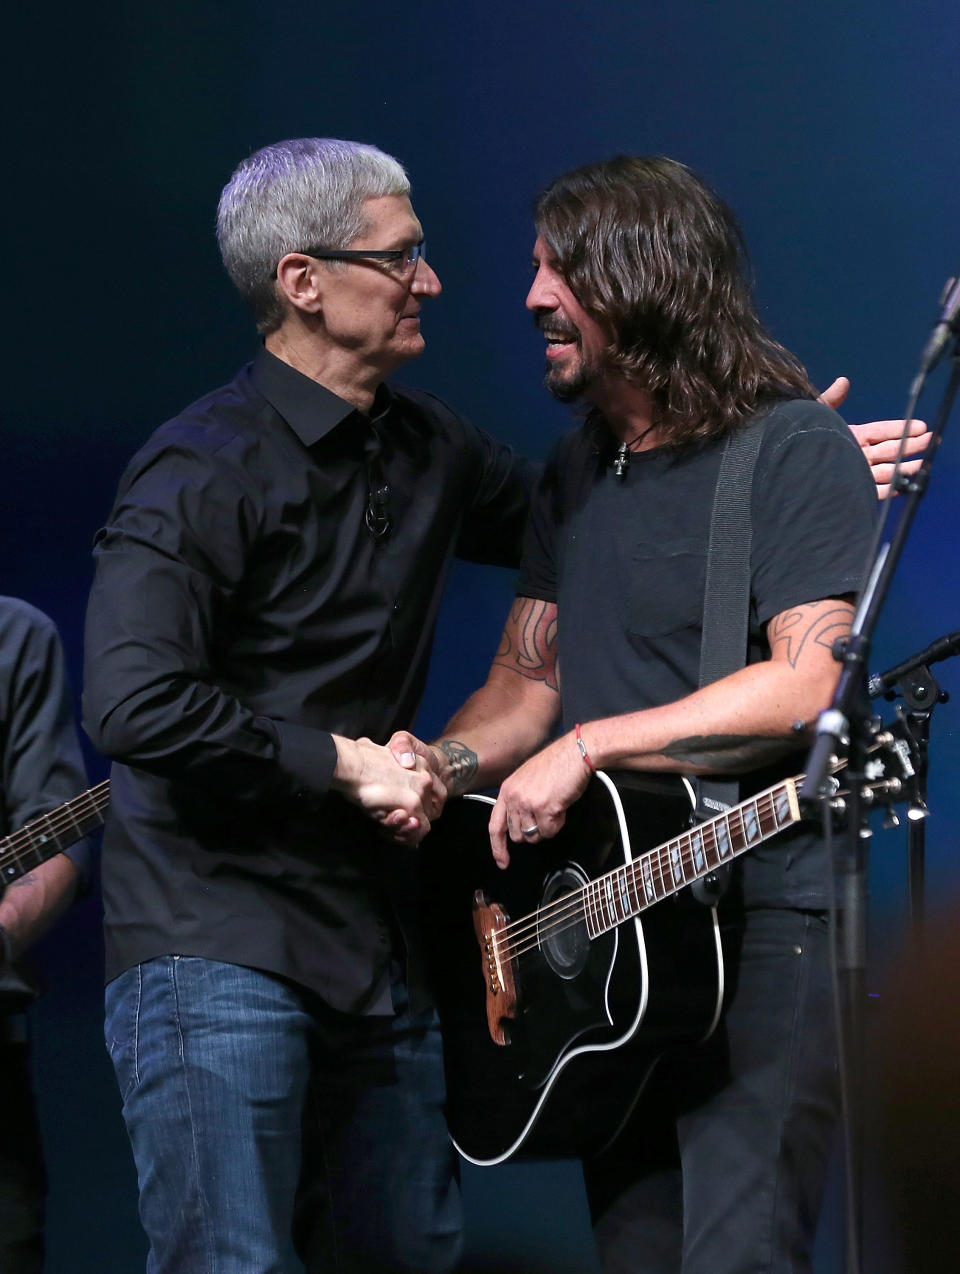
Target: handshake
(402,786)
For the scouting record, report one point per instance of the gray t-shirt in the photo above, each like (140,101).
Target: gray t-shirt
(625,561)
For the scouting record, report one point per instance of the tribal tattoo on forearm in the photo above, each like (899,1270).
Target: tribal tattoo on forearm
(796,629)
(534,654)
(727,753)
(462,762)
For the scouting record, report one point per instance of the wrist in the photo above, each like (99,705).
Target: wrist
(458,765)
(349,764)
(582,748)
(441,766)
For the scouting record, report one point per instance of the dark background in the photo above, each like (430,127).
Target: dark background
(831,128)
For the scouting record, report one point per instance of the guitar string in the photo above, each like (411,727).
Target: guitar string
(661,861)
(577,916)
(630,871)
(572,909)
(65,817)
(570,905)
(763,805)
(29,838)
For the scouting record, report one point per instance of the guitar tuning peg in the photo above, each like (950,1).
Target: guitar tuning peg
(891,818)
(917,811)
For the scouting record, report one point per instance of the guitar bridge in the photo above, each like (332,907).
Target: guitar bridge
(489,922)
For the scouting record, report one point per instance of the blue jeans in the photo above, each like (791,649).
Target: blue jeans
(261,1121)
(723,1168)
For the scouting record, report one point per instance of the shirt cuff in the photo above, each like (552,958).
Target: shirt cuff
(308,756)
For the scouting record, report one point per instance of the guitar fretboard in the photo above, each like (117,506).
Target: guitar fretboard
(622,894)
(53,832)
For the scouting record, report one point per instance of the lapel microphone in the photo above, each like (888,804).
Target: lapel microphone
(377,516)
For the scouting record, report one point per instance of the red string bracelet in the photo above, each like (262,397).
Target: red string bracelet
(583,750)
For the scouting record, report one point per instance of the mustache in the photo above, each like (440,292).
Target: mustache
(549,320)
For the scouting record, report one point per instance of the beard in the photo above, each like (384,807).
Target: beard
(568,385)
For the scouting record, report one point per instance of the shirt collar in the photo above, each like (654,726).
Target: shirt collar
(310,409)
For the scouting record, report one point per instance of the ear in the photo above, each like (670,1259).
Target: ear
(299,279)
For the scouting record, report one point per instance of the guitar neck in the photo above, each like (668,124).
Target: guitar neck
(656,874)
(53,832)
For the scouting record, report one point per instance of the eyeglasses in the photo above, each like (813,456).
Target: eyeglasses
(404,259)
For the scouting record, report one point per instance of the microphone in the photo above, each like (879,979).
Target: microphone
(947,325)
(377,516)
(942,648)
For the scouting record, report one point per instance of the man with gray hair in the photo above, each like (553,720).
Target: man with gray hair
(265,597)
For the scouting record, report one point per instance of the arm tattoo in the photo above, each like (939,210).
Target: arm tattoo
(791,634)
(727,753)
(535,654)
(797,629)
(463,764)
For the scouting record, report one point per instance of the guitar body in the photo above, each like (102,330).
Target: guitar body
(591,1016)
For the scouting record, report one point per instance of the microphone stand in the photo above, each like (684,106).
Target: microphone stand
(849,718)
(921,693)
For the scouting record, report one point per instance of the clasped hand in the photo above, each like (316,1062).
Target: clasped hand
(403,797)
(533,801)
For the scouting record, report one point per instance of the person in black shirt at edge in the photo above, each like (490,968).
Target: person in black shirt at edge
(42,768)
(641,294)
(259,625)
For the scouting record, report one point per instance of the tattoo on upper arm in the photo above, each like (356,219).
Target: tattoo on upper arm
(534,653)
(463,763)
(796,630)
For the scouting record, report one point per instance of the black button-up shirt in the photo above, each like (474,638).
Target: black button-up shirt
(270,574)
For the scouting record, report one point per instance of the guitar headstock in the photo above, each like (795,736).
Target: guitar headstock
(891,772)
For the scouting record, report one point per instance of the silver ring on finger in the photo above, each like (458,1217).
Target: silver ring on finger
(530,831)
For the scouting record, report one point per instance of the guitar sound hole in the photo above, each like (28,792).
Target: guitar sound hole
(564,941)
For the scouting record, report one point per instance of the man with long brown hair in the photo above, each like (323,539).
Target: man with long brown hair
(641,292)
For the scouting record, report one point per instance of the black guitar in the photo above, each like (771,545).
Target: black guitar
(557,991)
(33,844)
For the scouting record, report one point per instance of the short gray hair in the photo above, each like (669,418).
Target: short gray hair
(296,194)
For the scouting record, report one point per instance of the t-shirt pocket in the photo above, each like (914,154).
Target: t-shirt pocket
(663,587)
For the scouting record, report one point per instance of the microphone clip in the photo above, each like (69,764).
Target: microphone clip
(377,516)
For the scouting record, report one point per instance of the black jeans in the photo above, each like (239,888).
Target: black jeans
(722,1169)
(23,1183)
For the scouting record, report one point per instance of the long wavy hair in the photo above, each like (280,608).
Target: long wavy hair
(659,261)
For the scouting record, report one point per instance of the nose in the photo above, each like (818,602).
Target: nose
(425,281)
(541,295)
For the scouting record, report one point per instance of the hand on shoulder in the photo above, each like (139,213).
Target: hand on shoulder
(879,440)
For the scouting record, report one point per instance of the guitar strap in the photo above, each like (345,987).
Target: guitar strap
(726,602)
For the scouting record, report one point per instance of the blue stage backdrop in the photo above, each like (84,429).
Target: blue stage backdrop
(830,128)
